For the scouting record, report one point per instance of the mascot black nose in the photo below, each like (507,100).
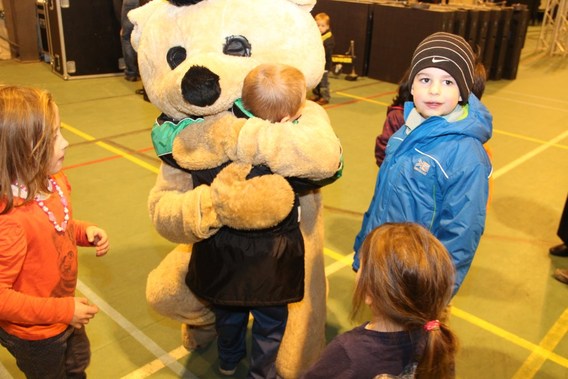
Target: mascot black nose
(200,86)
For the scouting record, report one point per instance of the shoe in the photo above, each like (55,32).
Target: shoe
(133,78)
(227,369)
(559,250)
(561,275)
(322,101)
(143,93)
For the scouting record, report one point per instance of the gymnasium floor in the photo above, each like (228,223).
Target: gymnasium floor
(510,315)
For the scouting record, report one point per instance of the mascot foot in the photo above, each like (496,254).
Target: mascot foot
(197,337)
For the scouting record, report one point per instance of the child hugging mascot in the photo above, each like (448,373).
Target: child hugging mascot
(193,57)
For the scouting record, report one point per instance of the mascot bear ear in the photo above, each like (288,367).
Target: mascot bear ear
(181,3)
(306,5)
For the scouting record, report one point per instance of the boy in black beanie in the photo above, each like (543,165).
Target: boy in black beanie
(436,170)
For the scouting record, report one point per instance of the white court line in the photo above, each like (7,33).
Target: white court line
(143,339)
(170,359)
(511,165)
(156,365)
(163,358)
(180,352)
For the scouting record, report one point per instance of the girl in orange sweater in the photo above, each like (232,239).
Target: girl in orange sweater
(41,320)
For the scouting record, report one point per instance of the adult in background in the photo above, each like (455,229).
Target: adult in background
(131,72)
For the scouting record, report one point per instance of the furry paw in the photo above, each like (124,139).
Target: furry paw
(197,337)
(258,203)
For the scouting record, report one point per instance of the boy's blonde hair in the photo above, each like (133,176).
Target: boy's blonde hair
(27,140)
(408,276)
(323,17)
(274,91)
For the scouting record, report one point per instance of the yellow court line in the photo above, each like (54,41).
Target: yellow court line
(535,361)
(520,136)
(338,257)
(111,148)
(525,157)
(363,99)
(497,131)
(340,261)
(542,351)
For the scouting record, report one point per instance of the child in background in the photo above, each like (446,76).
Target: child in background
(42,323)
(436,170)
(394,120)
(321,92)
(406,279)
(255,271)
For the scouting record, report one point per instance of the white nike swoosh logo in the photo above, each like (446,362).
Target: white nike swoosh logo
(438,60)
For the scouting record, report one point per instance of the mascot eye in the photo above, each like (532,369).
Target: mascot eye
(176,55)
(237,46)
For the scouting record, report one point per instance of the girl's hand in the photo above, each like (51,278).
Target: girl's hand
(83,313)
(98,238)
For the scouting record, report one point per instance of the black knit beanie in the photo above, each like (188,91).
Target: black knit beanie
(450,53)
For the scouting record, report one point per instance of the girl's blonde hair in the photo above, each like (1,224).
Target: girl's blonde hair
(408,276)
(27,137)
(274,91)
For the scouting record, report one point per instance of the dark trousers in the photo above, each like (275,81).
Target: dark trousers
(322,89)
(563,225)
(64,356)
(128,52)
(267,332)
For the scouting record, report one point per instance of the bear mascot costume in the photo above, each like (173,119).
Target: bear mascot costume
(193,57)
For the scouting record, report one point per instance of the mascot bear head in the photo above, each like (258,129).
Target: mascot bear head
(194,54)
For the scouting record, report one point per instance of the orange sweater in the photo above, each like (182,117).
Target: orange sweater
(38,267)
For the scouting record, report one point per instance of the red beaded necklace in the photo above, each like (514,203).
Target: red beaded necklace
(58,227)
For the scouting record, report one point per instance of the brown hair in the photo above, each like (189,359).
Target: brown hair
(27,139)
(274,91)
(479,80)
(408,276)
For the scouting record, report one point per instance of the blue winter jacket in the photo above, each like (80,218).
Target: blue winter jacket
(436,176)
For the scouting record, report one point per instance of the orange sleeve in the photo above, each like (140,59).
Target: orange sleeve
(18,307)
(81,232)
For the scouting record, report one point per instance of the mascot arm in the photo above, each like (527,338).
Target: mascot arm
(306,149)
(249,204)
(179,212)
(203,144)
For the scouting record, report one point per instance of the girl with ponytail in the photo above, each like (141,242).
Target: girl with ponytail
(406,281)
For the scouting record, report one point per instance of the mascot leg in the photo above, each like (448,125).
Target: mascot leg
(195,337)
(167,294)
(304,338)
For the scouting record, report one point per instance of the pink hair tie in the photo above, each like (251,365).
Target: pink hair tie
(432,325)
